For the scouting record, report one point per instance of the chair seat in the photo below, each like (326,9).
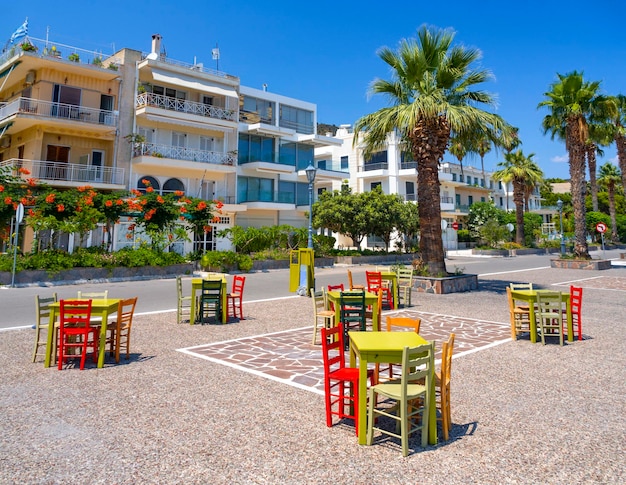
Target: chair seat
(393,389)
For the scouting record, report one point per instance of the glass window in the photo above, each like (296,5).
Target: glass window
(151,182)
(501,202)
(454,177)
(254,148)
(253,189)
(172,185)
(305,155)
(373,185)
(344,163)
(286,192)
(461,178)
(470,199)
(410,188)
(297,119)
(287,154)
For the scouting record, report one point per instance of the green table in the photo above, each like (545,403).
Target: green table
(530,296)
(99,307)
(385,347)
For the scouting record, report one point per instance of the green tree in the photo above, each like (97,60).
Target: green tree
(342,212)
(409,225)
(384,212)
(480,213)
(571,101)
(518,168)
(609,177)
(432,98)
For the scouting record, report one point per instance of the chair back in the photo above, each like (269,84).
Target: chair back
(576,299)
(333,350)
(405,276)
(75,313)
(319,303)
(94,295)
(509,297)
(550,315)
(352,307)
(42,309)
(351,282)
(417,367)
(520,286)
(125,312)
(404,323)
(446,359)
(179,286)
(374,280)
(239,282)
(211,289)
(338,287)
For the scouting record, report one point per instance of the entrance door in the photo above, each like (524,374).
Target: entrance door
(97,158)
(60,156)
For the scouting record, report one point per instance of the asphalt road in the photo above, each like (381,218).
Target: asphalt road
(17,306)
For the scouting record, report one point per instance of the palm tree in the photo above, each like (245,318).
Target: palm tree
(482,145)
(431,99)
(609,177)
(518,169)
(618,125)
(458,148)
(571,101)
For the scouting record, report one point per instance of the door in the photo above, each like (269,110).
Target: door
(106,109)
(97,159)
(58,156)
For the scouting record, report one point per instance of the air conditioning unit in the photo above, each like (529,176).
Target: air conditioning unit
(5,142)
(30,78)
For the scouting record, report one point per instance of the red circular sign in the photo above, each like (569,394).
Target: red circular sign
(455,225)
(601,227)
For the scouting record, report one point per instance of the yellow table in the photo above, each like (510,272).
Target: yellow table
(102,308)
(530,296)
(196,285)
(370,299)
(392,277)
(385,347)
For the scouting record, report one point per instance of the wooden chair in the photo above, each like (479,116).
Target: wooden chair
(184,302)
(375,284)
(417,366)
(235,297)
(352,285)
(550,315)
(405,285)
(576,302)
(352,312)
(75,330)
(321,313)
(398,324)
(520,317)
(369,312)
(521,286)
(338,287)
(42,320)
(93,295)
(120,328)
(341,383)
(442,386)
(211,300)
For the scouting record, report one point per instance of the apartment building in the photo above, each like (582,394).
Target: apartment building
(396,173)
(116,122)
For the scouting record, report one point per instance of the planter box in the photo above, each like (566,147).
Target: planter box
(382,259)
(593,264)
(448,284)
(93,274)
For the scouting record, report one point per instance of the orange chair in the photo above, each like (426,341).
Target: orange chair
(75,329)
(121,327)
(235,297)
(576,302)
(375,284)
(442,386)
(399,324)
(337,377)
(352,285)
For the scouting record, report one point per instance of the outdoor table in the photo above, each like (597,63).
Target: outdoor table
(196,285)
(392,277)
(530,296)
(385,347)
(99,307)
(370,299)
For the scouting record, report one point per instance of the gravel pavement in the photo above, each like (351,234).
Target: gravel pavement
(521,413)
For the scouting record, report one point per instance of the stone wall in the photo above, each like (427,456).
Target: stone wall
(449,284)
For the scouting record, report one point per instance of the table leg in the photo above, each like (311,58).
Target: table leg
(570,323)
(224,303)
(432,413)
(192,315)
(396,293)
(50,338)
(533,322)
(362,411)
(103,339)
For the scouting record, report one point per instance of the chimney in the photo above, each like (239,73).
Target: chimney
(156,43)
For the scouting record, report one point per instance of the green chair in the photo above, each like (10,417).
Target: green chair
(352,311)
(411,396)
(183,307)
(550,315)
(405,285)
(42,319)
(211,300)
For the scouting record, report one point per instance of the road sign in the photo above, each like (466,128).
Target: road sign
(455,226)
(19,213)
(601,227)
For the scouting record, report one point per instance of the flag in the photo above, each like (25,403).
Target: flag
(21,31)
(216,54)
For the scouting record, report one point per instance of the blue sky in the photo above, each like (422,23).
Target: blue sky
(325,52)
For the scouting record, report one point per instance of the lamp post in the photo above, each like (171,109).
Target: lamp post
(310,176)
(559,206)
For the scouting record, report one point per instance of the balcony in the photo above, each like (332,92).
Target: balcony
(50,110)
(144,100)
(183,153)
(77,173)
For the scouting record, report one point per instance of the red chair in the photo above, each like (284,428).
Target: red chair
(336,377)
(235,297)
(375,284)
(334,288)
(75,329)
(576,302)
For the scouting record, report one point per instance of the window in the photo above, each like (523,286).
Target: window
(68,99)
(207,143)
(170,92)
(470,199)
(461,178)
(454,177)
(147,133)
(255,110)
(344,163)
(252,189)
(297,155)
(254,148)
(501,202)
(179,139)
(172,185)
(297,119)
(373,185)
(286,192)
(378,161)
(152,182)
(482,199)
(499,184)
(410,190)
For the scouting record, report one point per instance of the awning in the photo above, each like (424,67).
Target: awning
(193,83)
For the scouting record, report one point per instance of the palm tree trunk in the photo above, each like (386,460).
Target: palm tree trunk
(620,143)
(576,151)
(591,160)
(518,198)
(611,191)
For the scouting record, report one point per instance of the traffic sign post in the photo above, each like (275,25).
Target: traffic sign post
(19,215)
(601,228)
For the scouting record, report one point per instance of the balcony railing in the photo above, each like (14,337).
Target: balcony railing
(408,165)
(48,109)
(446,200)
(331,165)
(183,153)
(184,106)
(373,166)
(66,172)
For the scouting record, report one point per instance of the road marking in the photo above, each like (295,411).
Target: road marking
(514,271)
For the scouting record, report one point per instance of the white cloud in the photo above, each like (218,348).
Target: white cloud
(561,159)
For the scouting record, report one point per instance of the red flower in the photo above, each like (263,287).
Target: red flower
(8,200)
(160,199)
(60,208)
(32,182)
(201,206)
(179,193)
(1,188)
(24,171)
(146,182)
(119,202)
(149,189)
(50,198)
(109,203)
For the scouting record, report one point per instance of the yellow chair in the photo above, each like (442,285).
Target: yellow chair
(183,307)
(93,295)
(549,317)
(120,328)
(520,317)
(405,285)
(321,312)
(417,366)
(442,386)
(42,319)
(521,286)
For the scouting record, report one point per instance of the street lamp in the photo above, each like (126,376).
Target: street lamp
(310,176)
(559,206)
